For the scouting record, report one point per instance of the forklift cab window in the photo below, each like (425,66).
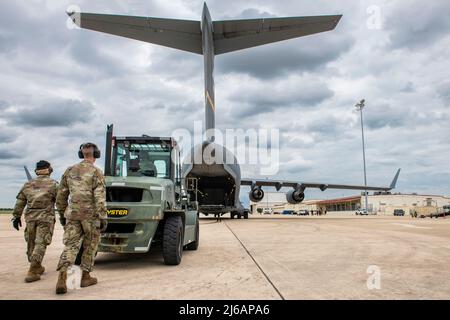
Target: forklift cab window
(121,162)
(143,159)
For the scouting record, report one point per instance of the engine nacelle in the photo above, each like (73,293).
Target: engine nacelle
(295,196)
(256,194)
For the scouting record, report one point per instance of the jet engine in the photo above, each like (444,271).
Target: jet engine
(295,196)
(256,194)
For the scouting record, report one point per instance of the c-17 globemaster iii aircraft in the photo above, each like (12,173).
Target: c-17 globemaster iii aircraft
(219,181)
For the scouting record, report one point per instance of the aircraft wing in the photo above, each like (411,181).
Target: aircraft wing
(178,34)
(278,184)
(29,177)
(232,35)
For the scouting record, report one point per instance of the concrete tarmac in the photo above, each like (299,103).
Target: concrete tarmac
(265,257)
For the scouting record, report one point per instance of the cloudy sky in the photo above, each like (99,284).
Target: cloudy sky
(59,87)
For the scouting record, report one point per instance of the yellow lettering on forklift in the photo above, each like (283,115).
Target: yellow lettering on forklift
(117,212)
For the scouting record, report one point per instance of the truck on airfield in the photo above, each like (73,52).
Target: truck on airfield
(148,203)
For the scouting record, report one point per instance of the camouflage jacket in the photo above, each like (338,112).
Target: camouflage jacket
(38,196)
(82,192)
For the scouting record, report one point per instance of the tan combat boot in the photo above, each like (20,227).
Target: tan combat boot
(87,280)
(61,287)
(40,269)
(33,273)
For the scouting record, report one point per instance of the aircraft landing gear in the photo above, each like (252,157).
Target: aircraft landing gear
(236,215)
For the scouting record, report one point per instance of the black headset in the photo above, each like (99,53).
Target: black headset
(88,145)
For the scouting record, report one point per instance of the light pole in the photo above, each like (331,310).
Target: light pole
(360,106)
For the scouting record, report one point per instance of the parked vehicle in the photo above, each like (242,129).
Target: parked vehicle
(303,213)
(441,214)
(285,212)
(399,212)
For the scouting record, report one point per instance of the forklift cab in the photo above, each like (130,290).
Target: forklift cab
(153,157)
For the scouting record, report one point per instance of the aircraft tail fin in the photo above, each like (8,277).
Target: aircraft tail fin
(29,177)
(232,35)
(394,182)
(178,34)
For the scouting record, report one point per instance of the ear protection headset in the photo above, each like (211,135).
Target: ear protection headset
(89,145)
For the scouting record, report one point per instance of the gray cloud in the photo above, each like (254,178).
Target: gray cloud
(58,113)
(263,98)
(328,126)
(417,26)
(443,92)
(85,51)
(176,65)
(7,135)
(273,60)
(251,13)
(386,115)
(280,59)
(7,154)
(3,105)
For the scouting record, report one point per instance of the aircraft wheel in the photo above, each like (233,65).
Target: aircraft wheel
(245,214)
(173,240)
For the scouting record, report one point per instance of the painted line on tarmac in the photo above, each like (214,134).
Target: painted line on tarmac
(410,226)
(256,263)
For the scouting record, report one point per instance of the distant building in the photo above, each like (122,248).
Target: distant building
(381,204)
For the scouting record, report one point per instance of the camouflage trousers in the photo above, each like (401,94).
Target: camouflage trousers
(76,232)
(38,235)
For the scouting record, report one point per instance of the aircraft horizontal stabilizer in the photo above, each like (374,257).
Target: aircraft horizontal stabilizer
(232,35)
(178,34)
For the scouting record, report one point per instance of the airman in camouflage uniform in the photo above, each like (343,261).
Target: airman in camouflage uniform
(85,214)
(38,196)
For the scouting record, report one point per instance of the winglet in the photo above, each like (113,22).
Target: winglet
(394,182)
(29,177)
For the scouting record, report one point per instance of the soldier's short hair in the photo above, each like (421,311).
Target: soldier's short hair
(88,149)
